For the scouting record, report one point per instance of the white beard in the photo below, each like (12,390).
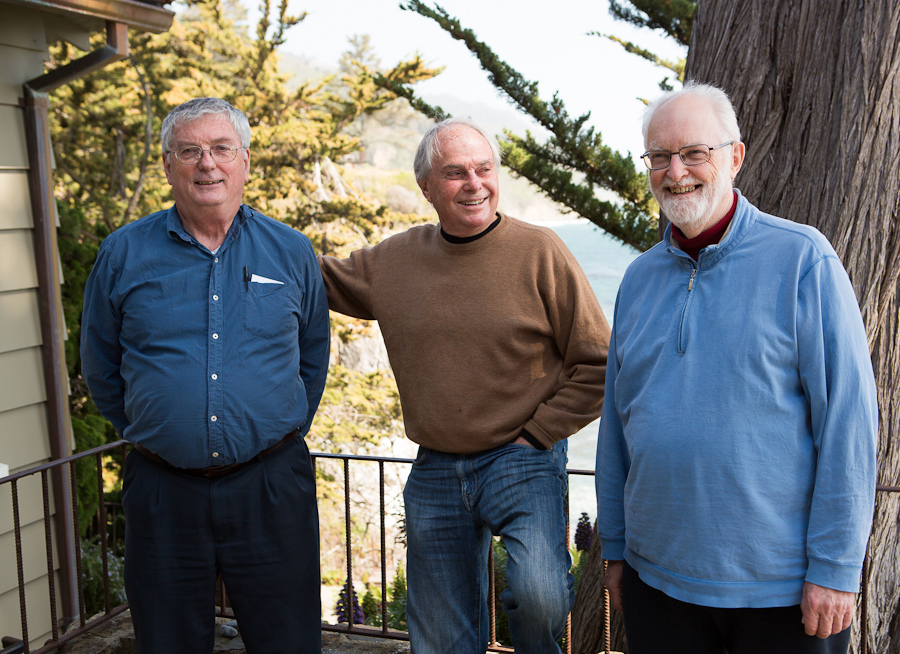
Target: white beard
(694,211)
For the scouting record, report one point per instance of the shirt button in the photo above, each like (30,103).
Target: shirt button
(213,418)
(215,336)
(214,376)
(215,454)
(217,259)
(216,298)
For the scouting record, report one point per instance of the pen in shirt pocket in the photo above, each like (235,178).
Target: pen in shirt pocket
(246,278)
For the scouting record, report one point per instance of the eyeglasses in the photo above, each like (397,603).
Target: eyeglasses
(691,155)
(190,155)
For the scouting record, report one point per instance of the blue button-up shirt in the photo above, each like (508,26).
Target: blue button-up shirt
(205,359)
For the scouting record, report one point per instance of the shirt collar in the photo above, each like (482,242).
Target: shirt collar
(176,229)
(710,236)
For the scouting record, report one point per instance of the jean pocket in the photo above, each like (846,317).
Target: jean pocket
(269,310)
(421,456)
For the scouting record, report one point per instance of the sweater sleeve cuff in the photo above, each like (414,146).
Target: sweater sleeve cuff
(831,575)
(612,550)
(534,432)
(534,442)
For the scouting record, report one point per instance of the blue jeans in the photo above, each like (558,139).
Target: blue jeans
(454,502)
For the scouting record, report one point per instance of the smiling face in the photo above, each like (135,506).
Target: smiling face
(693,197)
(207,189)
(462,184)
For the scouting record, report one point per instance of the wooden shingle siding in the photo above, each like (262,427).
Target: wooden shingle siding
(16,212)
(34,559)
(13,149)
(20,325)
(38,611)
(23,381)
(17,267)
(23,442)
(17,64)
(22,28)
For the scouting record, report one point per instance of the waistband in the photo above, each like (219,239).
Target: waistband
(214,472)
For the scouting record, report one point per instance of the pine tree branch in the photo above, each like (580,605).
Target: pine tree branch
(674,17)
(521,92)
(584,148)
(630,226)
(676,67)
(608,169)
(437,114)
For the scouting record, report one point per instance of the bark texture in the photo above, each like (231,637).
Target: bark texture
(816,87)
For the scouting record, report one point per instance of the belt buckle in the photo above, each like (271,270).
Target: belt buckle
(216,471)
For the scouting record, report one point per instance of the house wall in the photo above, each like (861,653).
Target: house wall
(24,438)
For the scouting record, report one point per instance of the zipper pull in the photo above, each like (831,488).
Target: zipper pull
(691,282)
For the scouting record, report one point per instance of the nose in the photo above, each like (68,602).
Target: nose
(473,182)
(206,161)
(676,169)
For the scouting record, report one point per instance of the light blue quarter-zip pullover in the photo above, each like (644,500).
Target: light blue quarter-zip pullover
(736,456)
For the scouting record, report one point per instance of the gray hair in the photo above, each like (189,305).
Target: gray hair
(430,148)
(717,99)
(199,107)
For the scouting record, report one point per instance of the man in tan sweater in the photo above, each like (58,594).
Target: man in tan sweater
(499,348)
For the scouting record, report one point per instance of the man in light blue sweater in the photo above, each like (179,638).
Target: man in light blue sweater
(736,457)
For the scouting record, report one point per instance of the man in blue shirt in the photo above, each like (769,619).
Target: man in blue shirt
(736,455)
(205,341)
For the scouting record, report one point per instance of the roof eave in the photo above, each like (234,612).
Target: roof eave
(139,15)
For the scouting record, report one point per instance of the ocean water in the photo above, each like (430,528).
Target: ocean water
(604,261)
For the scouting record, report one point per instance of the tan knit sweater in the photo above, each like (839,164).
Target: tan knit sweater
(484,338)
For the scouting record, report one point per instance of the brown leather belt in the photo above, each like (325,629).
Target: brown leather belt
(214,472)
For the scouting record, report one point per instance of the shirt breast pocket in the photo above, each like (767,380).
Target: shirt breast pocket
(269,310)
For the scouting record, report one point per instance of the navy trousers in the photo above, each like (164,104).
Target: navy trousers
(655,622)
(257,527)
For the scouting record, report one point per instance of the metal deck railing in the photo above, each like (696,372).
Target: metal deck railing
(64,471)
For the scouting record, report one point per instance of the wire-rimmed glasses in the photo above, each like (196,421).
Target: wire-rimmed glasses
(190,155)
(691,155)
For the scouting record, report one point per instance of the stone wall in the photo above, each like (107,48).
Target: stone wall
(117,637)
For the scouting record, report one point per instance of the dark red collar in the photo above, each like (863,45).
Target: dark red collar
(707,237)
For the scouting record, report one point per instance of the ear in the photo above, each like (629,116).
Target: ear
(246,153)
(737,158)
(167,166)
(424,186)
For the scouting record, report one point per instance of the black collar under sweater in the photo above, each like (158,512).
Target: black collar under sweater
(459,240)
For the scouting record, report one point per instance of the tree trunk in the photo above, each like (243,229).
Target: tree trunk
(816,87)
(588,621)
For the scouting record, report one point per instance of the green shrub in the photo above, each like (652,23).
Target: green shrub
(396,608)
(92,577)
(371,607)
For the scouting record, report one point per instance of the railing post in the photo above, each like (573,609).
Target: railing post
(104,536)
(492,596)
(568,638)
(76,528)
(351,595)
(48,540)
(20,570)
(384,625)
